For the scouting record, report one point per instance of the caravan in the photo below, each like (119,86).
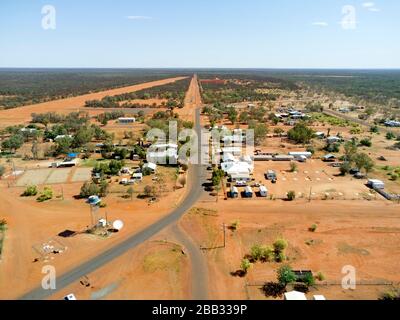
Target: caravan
(263,191)
(248,192)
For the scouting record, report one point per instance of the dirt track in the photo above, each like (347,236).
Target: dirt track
(63,106)
(192,100)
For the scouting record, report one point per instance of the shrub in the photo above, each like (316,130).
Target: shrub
(273,289)
(30,191)
(286,275)
(47,194)
(256,252)
(291,195)
(391,295)
(280,257)
(149,191)
(89,189)
(390,136)
(313,228)
(366,142)
(301,287)
(280,245)
(309,280)
(332,147)
(3,222)
(374,129)
(235,225)
(320,276)
(293,167)
(245,265)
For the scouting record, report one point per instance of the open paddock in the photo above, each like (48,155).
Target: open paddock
(358,233)
(313,178)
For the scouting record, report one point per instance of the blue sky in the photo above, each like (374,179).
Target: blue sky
(202,33)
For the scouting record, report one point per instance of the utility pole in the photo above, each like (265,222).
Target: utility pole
(309,197)
(224,227)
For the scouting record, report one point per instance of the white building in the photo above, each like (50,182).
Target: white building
(333,139)
(150,165)
(295,296)
(376,184)
(392,123)
(296,155)
(126,120)
(237,167)
(236,151)
(165,153)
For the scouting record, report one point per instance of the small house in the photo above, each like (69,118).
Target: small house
(333,139)
(243,177)
(150,166)
(320,135)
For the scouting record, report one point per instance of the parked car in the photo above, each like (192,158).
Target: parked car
(354,171)
(335,164)
(359,175)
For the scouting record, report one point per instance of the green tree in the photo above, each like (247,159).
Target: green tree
(217,176)
(260,132)
(103,188)
(13,143)
(130,192)
(63,145)
(350,150)
(363,161)
(345,168)
(244,117)
(35,150)
(232,115)
(89,189)
(293,167)
(82,137)
(301,133)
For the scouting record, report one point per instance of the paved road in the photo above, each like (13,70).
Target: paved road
(196,173)
(198,263)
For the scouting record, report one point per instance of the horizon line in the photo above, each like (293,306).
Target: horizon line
(207,68)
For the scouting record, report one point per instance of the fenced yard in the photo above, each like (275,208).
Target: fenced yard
(53,176)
